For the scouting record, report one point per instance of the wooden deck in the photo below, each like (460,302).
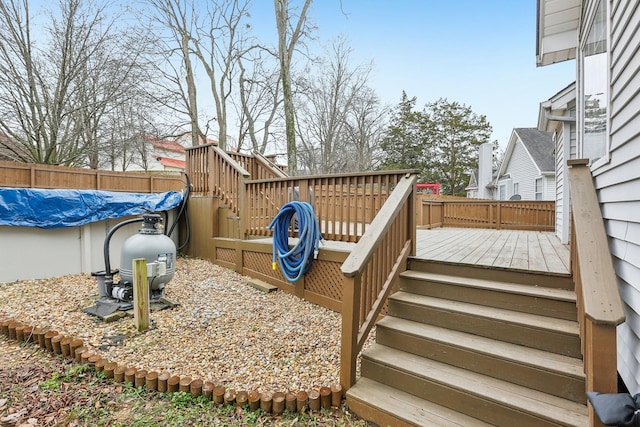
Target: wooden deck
(526,250)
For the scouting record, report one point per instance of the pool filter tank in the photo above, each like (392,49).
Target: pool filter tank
(159,251)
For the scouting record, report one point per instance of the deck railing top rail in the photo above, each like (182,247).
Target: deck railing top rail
(335,175)
(597,298)
(601,299)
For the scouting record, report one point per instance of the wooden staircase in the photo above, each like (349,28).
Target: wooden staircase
(464,345)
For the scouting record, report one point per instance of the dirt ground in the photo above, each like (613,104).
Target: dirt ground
(40,389)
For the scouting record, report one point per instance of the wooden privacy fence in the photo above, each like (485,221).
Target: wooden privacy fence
(599,305)
(371,270)
(32,175)
(498,214)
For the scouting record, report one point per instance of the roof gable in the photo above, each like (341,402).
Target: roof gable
(538,145)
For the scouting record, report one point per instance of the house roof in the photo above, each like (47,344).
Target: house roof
(174,163)
(165,145)
(539,145)
(473,180)
(185,139)
(557,28)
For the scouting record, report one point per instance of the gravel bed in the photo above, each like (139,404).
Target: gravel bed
(223,331)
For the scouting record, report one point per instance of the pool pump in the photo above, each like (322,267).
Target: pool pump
(149,243)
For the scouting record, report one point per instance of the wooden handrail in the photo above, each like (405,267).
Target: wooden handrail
(234,165)
(599,306)
(371,270)
(601,298)
(268,164)
(335,175)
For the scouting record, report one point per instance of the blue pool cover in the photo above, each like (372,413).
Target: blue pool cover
(29,207)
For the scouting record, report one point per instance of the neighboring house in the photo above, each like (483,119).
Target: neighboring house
(481,180)
(604,37)
(152,154)
(527,171)
(472,187)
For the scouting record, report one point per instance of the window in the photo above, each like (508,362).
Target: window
(516,188)
(538,190)
(503,192)
(594,87)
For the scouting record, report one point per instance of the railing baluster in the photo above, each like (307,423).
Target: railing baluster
(374,265)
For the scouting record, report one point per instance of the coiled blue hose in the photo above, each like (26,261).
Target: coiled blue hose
(295,262)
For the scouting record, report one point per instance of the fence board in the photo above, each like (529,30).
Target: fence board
(31,175)
(497,214)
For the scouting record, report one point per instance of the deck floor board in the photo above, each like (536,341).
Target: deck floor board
(529,250)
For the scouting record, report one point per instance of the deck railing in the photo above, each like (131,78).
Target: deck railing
(344,204)
(214,173)
(498,214)
(599,305)
(258,166)
(32,175)
(371,270)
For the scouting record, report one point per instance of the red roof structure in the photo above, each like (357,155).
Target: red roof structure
(431,188)
(165,145)
(174,163)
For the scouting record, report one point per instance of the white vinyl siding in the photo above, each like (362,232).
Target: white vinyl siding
(565,150)
(548,187)
(618,181)
(522,170)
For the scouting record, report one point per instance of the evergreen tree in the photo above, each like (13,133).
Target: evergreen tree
(441,141)
(455,133)
(401,143)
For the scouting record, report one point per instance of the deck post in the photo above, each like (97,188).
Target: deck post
(243,208)
(599,352)
(350,325)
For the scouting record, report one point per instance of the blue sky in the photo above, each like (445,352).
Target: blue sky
(475,52)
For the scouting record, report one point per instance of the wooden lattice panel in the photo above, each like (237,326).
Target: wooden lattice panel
(325,278)
(226,254)
(261,263)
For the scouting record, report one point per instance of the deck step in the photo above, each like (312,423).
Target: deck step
(541,332)
(524,277)
(553,302)
(551,373)
(491,400)
(390,406)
